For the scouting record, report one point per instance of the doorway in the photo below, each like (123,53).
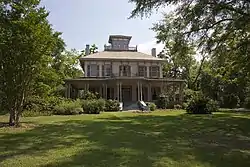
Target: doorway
(126,93)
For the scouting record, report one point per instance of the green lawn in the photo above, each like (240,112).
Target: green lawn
(158,139)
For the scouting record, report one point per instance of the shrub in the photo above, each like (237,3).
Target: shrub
(212,105)
(247,103)
(230,101)
(165,102)
(87,95)
(152,106)
(68,108)
(184,105)
(112,105)
(201,105)
(93,106)
(162,102)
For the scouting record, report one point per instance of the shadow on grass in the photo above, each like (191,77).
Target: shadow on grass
(144,140)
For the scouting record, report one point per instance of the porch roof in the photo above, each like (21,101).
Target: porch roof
(82,79)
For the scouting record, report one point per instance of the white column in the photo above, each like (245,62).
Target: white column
(138,91)
(120,93)
(148,72)
(161,87)
(100,91)
(118,90)
(106,91)
(141,92)
(181,92)
(103,90)
(149,92)
(85,69)
(161,75)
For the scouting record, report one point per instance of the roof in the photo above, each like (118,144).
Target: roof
(121,55)
(119,36)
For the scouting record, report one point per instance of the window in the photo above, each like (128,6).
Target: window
(93,70)
(154,71)
(106,70)
(125,70)
(142,71)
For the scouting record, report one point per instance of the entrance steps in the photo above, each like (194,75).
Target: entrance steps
(130,106)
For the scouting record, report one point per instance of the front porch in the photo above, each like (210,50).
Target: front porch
(126,90)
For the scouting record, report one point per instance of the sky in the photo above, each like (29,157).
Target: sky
(92,21)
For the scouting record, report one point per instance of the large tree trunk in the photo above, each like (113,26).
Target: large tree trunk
(12,117)
(198,73)
(16,109)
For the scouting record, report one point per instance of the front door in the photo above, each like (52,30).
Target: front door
(126,94)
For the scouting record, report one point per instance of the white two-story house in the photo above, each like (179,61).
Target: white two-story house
(122,73)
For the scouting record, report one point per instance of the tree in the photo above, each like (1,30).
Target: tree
(27,44)
(217,28)
(180,53)
(93,49)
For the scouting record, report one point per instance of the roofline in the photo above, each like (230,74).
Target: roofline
(121,59)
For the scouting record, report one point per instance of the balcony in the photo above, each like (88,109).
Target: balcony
(110,48)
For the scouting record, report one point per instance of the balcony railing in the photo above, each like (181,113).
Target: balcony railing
(118,75)
(110,48)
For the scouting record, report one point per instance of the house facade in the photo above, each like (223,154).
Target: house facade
(122,73)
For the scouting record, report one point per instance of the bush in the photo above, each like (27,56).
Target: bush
(201,105)
(247,103)
(93,106)
(162,102)
(87,95)
(112,105)
(152,106)
(68,108)
(230,101)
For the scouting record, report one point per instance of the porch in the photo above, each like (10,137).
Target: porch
(126,90)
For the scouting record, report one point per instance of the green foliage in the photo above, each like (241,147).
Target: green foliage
(37,106)
(247,103)
(68,108)
(27,44)
(87,95)
(189,94)
(230,101)
(40,105)
(152,106)
(218,31)
(162,102)
(93,106)
(165,101)
(199,104)
(29,113)
(112,105)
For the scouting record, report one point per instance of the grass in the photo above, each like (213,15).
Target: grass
(157,139)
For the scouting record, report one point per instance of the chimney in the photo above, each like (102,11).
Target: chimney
(153,52)
(87,50)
